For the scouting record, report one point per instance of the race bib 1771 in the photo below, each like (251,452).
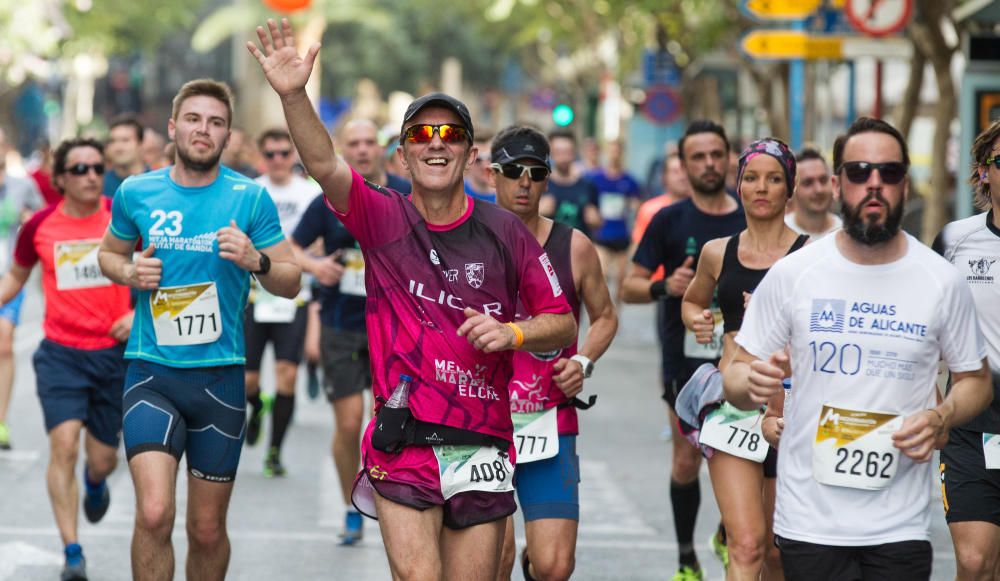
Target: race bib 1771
(186,315)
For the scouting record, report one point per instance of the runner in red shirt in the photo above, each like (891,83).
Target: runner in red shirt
(78,366)
(443,275)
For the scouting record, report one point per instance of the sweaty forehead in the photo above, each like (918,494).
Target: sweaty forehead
(433,115)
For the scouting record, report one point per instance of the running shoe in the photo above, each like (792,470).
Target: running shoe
(720,549)
(96,499)
(4,436)
(254,423)
(272,464)
(353,528)
(75,568)
(686,573)
(312,381)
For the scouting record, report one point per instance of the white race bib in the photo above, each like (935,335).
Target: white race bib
(352,282)
(991,450)
(268,308)
(735,432)
(467,468)
(612,205)
(186,315)
(536,435)
(854,448)
(76,265)
(711,350)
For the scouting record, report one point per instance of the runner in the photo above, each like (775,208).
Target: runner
(618,197)
(202,228)
(436,466)
(571,197)
(731,268)
(853,496)
(19,197)
(477,179)
(813,197)
(674,240)
(78,365)
(124,149)
(276,320)
(343,335)
(544,386)
(970,481)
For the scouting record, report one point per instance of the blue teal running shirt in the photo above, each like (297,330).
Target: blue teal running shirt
(195,317)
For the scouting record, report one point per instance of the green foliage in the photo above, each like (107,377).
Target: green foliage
(122,26)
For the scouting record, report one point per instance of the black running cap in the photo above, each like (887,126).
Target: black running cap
(440,100)
(528,146)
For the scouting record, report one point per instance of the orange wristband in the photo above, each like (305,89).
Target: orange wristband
(518,335)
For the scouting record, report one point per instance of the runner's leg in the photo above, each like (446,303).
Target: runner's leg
(208,542)
(738,486)
(508,553)
(6,372)
(413,540)
(685,493)
(772,556)
(155,477)
(977,548)
(551,547)
(348,415)
(472,553)
(64,446)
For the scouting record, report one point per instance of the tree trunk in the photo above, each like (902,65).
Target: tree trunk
(929,40)
(911,97)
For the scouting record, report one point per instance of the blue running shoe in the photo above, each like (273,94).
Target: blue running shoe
(353,528)
(96,498)
(312,385)
(75,568)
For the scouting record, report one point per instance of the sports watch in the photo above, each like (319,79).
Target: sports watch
(265,265)
(586,363)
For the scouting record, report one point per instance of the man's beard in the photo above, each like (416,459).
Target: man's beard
(201,166)
(706,189)
(860,229)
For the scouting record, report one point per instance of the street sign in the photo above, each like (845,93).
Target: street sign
(660,68)
(780,9)
(878,17)
(662,105)
(790,45)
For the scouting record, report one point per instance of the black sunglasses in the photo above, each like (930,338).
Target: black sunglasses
(858,172)
(81,169)
(281,152)
(514,171)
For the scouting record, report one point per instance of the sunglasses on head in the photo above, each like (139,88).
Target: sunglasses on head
(514,171)
(858,172)
(81,169)
(425,133)
(284,153)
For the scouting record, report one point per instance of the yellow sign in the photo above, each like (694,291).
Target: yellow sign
(788,44)
(782,9)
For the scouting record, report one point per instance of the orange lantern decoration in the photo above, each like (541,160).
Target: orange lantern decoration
(287,5)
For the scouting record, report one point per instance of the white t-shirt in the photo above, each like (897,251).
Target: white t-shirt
(973,246)
(292,199)
(790,221)
(862,338)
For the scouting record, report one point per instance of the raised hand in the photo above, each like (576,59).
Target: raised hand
(284,69)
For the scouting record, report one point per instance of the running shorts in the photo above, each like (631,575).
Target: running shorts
(346,363)
(413,478)
(969,491)
(78,384)
(550,488)
(288,338)
(902,561)
(200,411)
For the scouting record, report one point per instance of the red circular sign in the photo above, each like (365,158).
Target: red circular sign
(662,105)
(878,17)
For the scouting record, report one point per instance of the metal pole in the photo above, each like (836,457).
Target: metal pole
(877,109)
(852,103)
(796,95)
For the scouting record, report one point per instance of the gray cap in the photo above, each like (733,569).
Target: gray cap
(440,100)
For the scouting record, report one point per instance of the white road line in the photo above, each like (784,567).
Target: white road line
(17,554)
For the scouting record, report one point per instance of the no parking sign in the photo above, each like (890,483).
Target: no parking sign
(662,105)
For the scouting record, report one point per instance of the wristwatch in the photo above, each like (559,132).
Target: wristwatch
(586,363)
(265,265)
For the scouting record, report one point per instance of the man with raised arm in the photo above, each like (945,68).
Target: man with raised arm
(443,276)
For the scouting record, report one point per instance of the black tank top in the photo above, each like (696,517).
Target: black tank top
(735,279)
(558,248)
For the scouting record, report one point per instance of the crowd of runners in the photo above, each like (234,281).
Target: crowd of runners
(801,348)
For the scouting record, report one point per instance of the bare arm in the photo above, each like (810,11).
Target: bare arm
(749,383)
(287,74)
(326,269)
(547,205)
(698,296)
(285,277)
(635,289)
(12,282)
(543,332)
(971,392)
(115,258)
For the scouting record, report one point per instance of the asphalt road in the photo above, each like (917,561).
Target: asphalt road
(287,528)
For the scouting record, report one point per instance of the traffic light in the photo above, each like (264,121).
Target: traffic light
(562,114)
